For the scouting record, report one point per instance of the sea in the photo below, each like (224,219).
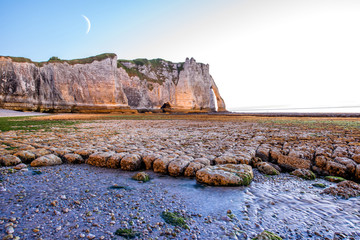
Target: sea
(340,109)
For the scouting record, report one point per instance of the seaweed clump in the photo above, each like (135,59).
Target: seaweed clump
(174,219)
(127,233)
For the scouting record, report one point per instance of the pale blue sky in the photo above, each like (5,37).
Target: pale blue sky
(279,53)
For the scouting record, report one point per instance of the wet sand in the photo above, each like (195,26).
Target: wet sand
(11,113)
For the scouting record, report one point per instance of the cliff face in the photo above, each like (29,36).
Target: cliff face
(102,83)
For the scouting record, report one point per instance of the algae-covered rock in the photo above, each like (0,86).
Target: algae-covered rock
(304,174)
(266,235)
(226,175)
(141,176)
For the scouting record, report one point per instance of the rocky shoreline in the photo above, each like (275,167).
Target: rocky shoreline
(213,152)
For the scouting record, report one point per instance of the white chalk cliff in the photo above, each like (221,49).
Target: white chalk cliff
(102,83)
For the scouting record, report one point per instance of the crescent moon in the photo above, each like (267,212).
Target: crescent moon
(88,22)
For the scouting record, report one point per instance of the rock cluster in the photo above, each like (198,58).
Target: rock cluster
(201,149)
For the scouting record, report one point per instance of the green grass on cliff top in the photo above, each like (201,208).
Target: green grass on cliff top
(155,63)
(71,62)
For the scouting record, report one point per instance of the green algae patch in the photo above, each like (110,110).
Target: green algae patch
(319,185)
(246,179)
(334,179)
(127,233)
(174,219)
(266,235)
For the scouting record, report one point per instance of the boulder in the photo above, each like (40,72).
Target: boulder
(203,161)
(340,152)
(20,166)
(255,161)
(356,158)
(99,159)
(9,160)
(336,169)
(225,159)
(323,151)
(61,152)
(225,175)
(40,152)
(275,154)
(193,167)
(345,189)
(178,166)
(47,160)
(291,162)
(131,162)
(73,158)
(320,161)
(263,152)
(357,172)
(267,168)
(161,164)
(25,156)
(348,163)
(149,160)
(84,153)
(115,160)
(243,158)
(304,174)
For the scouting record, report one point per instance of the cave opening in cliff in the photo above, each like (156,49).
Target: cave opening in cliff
(215,99)
(166,107)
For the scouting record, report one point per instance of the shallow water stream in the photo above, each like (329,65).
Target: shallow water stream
(284,204)
(86,204)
